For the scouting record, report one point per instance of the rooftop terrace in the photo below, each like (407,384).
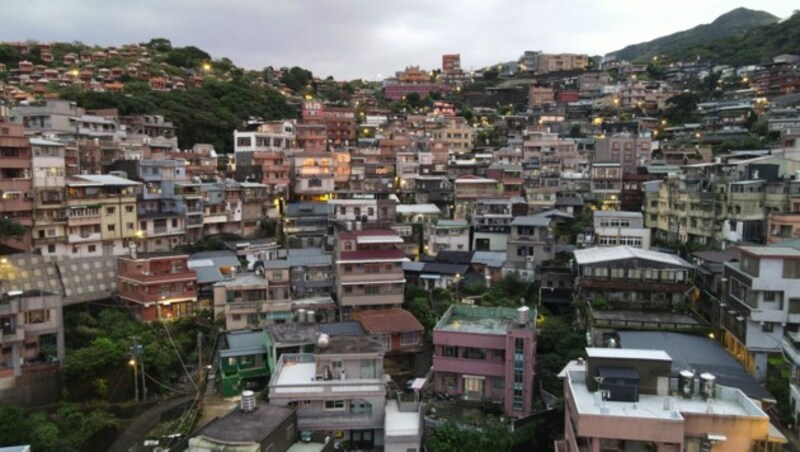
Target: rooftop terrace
(481,319)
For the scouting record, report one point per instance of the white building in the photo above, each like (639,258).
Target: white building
(616,227)
(448,235)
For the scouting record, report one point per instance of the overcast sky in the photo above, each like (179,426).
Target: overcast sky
(367,38)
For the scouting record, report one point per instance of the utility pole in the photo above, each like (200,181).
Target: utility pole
(135,361)
(200,356)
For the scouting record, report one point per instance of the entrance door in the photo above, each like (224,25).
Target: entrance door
(473,387)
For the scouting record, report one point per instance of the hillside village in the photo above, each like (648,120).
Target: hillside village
(562,252)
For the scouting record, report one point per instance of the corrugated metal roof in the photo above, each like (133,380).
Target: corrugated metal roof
(614,253)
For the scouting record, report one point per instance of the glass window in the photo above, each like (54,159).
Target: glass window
(334,405)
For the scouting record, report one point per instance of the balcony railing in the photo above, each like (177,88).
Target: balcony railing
(320,419)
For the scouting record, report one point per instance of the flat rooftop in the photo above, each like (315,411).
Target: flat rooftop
(293,333)
(481,319)
(240,426)
(351,344)
(727,402)
(400,423)
(244,280)
(698,353)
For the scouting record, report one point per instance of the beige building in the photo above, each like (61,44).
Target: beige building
(102,215)
(624,399)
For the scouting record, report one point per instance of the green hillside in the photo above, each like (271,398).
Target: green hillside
(758,45)
(731,24)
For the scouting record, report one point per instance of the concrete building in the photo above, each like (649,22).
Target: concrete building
(157,288)
(338,389)
(628,151)
(630,278)
(102,218)
(612,228)
(759,303)
(447,235)
(606,184)
(400,331)
(487,353)
(252,300)
(51,218)
(532,242)
(468,190)
(369,272)
(16,183)
(306,224)
(625,399)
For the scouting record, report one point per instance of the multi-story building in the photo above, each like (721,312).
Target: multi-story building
(621,399)
(305,224)
(606,184)
(400,331)
(616,227)
(447,235)
(538,62)
(189,201)
(340,122)
(468,190)
(369,270)
(268,137)
(16,183)
(631,278)
(253,300)
(628,151)
(254,207)
(369,212)
(759,304)
(454,135)
(26,320)
(313,176)
(487,353)
(102,215)
(157,288)
(312,137)
(49,235)
(532,241)
(339,389)
(719,202)
(161,226)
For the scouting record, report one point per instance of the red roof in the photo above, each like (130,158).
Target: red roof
(387,321)
(367,255)
(349,235)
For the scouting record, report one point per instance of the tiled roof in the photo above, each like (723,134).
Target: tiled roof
(387,321)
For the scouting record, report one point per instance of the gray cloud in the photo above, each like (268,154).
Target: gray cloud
(364,38)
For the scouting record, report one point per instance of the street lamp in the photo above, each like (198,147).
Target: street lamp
(133,363)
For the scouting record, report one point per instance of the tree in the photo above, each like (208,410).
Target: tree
(491,75)
(10,229)
(159,45)
(297,78)
(187,57)
(682,108)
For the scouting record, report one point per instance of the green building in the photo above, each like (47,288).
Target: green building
(245,358)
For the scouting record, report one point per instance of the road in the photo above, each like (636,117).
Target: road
(136,430)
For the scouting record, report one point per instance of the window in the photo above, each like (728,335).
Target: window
(51,248)
(498,383)
(409,338)
(372,290)
(769,295)
(449,352)
(474,353)
(791,269)
(111,227)
(37,316)
(473,384)
(129,209)
(749,264)
(794,306)
(334,405)
(110,210)
(767,327)
(277,276)
(92,248)
(348,289)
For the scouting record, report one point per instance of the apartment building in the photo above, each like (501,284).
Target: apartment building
(447,235)
(631,278)
(305,224)
(606,184)
(467,190)
(313,176)
(487,353)
(338,389)
(161,226)
(628,151)
(49,234)
(719,202)
(532,242)
(453,135)
(157,288)
(759,304)
(620,399)
(254,201)
(339,122)
(312,137)
(102,215)
(272,136)
(16,183)
(617,227)
(400,332)
(253,300)
(370,212)
(542,63)
(29,322)
(369,270)
(492,218)
(190,202)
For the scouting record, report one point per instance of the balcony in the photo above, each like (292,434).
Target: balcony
(296,378)
(331,420)
(9,338)
(214,219)
(84,220)
(472,366)
(85,237)
(9,308)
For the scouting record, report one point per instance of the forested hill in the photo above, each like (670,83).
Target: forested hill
(731,24)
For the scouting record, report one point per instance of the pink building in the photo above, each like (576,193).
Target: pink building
(486,353)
